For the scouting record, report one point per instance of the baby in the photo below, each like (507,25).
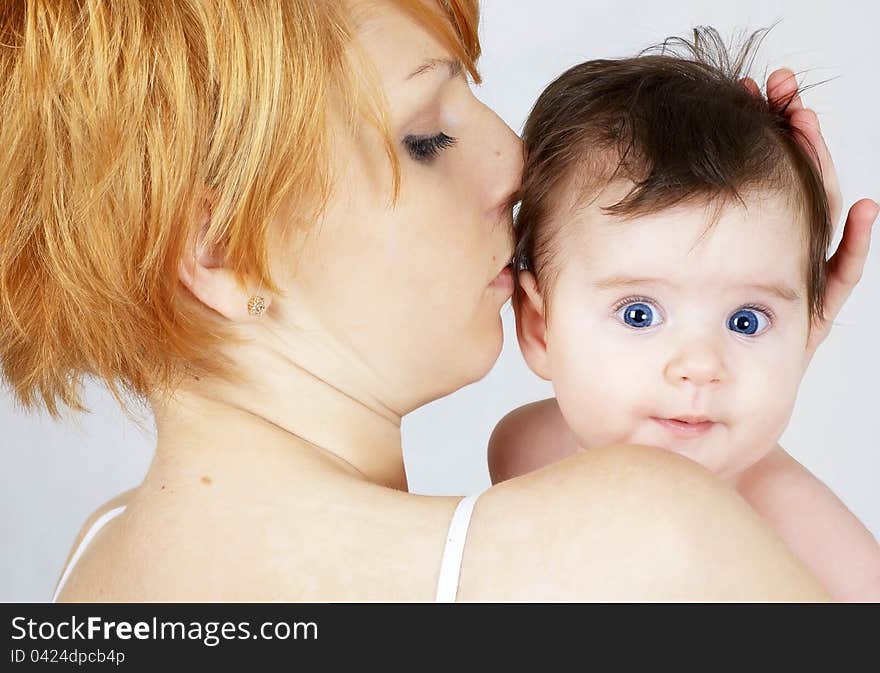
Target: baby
(672,240)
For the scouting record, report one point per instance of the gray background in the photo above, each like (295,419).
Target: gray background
(54,475)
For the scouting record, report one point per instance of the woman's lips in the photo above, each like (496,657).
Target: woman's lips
(686,427)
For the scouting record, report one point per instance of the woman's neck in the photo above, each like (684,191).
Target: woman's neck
(288,417)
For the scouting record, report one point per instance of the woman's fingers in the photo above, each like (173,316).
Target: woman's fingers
(807,123)
(845,267)
(782,87)
(751,86)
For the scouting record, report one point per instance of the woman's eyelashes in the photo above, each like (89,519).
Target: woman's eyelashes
(641,313)
(425,149)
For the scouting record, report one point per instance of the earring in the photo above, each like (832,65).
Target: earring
(256,305)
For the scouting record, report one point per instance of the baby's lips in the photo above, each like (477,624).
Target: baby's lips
(693,420)
(694,426)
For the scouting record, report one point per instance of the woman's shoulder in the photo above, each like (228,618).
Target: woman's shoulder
(90,526)
(117,501)
(331,541)
(624,523)
(617,523)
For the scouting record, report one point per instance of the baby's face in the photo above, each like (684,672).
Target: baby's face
(656,336)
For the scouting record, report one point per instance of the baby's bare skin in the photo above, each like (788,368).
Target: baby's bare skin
(815,525)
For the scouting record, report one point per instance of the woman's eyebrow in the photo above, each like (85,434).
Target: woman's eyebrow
(454,66)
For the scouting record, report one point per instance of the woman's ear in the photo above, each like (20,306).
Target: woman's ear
(203,272)
(531,328)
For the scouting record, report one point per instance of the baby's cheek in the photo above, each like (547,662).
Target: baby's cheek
(765,400)
(595,391)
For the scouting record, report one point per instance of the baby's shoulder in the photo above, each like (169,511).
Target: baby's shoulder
(778,481)
(776,465)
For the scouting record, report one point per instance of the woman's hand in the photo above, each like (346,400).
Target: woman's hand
(844,268)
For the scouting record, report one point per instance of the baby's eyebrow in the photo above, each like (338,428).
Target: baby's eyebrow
(781,290)
(626,281)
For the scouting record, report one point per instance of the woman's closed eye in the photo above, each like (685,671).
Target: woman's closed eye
(750,320)
(638,313)
(425,149)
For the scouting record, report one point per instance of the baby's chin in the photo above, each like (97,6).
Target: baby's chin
(704,455)
(719,448)
(710,447)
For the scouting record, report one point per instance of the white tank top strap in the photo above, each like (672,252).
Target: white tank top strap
(450,566)
(99,523)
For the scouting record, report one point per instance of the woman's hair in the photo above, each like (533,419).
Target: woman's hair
(680,127)
(125,119)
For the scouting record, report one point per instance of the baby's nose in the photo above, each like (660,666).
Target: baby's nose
(698,363)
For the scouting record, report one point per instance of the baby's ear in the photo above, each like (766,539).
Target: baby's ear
(531,328)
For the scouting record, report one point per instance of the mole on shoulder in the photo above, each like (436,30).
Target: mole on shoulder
(206,480)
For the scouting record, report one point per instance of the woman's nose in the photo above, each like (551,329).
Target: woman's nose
(507,165)
(698,362)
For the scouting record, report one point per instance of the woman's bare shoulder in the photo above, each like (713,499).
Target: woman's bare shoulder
(333,540)
(625,523)
(120,500)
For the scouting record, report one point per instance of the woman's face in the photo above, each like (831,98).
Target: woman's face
(413,288)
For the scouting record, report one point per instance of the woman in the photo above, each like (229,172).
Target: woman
(286,225)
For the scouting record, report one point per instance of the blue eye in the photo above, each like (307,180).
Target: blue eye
(639,314)
(748,322)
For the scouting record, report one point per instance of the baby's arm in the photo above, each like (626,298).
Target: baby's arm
(528,438)
(829,540)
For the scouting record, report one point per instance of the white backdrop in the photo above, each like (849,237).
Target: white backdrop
(54,475)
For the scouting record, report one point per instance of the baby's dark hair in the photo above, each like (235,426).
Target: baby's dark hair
(678,123)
